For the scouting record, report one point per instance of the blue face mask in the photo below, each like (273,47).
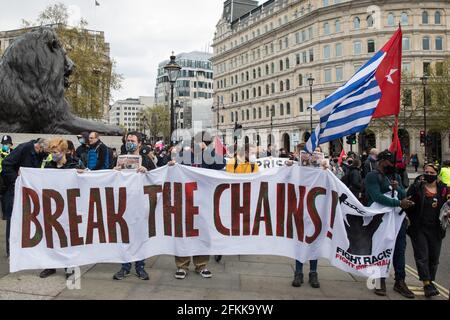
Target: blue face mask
(131,147)
(5,148)
(81,141)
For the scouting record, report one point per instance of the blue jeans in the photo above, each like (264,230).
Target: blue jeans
(139,265)
(312,266)
(399,260)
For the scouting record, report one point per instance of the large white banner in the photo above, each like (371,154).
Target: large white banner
(62,218)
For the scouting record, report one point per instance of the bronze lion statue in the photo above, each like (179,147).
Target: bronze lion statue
(34,72)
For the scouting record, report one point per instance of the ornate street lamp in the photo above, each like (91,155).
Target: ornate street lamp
(311,82)
(173,71)
(177,107)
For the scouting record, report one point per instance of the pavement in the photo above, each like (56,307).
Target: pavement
(244,277)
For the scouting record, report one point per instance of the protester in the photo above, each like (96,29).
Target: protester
(336,168)
(244,160)
(425,229)
(28,155)
(98,157)
(444,174)
(371,163)
(204,156)
(6,148)
(377,184)
(61,159)
(133,146)
(415,161)
(83,148)
(353,179)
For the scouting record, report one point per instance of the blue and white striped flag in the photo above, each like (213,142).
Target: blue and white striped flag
(351,107)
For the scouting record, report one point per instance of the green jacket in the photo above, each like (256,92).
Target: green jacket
(377,184)
(2,156)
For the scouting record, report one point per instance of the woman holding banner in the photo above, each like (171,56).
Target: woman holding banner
(429,196)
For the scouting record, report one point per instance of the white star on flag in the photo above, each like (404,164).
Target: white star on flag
(389,76)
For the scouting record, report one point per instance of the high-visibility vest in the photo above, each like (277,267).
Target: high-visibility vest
(47,160)
(2,156)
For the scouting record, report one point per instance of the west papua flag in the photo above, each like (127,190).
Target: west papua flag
(220,149)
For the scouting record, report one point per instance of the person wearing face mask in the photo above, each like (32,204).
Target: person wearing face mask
(244,161)
(377,184)
(425,229)
(6,148)
(61,159)
(371,163)
(133,146)
(83,148)
(29,155)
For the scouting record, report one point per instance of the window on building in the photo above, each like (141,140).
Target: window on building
(288,85)
(259,113)
(247,75)
(267,89)
(426,68)
(287,63)
(407,97)
(326,28)
(267,69)
(357,47)
(281,86)
(425,17)
(281,109)
(232,117)
(254,92)
(272,68)
(406,43)
(426,43)
(248,114)
(310,33)
(356,23)
(437,17)
(337,26)
(259,91)
(304,57)
(406,67)
(438,43)
(338,49)
(259,72)
(391,19)
(254,73)
(404,19)
(281,65)
(273,88)
(326,52)
(254,113)
(370,46)
(242,115)
(327,75)
(339,74)
(300,104)
(300,80)
(297,58)
(325,3)
(311,55)
(286,42)
(247,94)
(370,21)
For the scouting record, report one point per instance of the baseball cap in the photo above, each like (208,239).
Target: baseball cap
(7,140)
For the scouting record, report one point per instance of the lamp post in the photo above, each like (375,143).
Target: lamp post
(424,84)
(272,111)
(154,121)
(173,70)
(311,82)
(144,120)
(177,111)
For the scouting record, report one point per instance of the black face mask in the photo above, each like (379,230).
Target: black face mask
(430,178)
(389,170)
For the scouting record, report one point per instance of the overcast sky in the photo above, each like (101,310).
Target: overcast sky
(141,33)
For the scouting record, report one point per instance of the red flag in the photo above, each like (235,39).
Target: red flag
(388,76)
(220,149)
(396,146)
(341,156)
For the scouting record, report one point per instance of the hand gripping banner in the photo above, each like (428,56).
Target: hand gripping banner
(62,218)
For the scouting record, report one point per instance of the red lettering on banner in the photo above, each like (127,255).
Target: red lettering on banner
(191,210)
(334,203)
(281,205)
(152,192)
(237,210)
(74,218)
(217,221)
(116,218)
(30,216)
(95,201)
(175,209)
(51,218)
(263,201)
(314,215)
(295,211)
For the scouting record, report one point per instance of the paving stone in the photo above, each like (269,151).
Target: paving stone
(28,282)
(9,295)
(99,289)
(244,295)
(252,268)
(220,280)
(144,292)
(266,259)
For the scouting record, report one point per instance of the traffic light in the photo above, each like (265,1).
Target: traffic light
(351,139)
(422,137)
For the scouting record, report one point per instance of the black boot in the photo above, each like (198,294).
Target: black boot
(314,280)
(381,290)
(430,291)
(47,273)
(298,279)
(401,287)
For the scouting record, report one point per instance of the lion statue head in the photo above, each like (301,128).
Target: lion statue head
(34,72)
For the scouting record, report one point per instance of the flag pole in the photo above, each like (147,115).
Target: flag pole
(395,152)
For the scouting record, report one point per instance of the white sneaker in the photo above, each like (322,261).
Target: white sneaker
(205,273)
(180,274)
